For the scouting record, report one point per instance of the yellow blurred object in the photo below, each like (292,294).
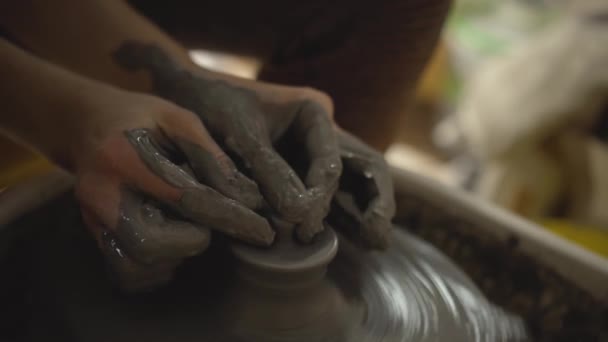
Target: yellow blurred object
(431,84)
(593,239)
(18,163)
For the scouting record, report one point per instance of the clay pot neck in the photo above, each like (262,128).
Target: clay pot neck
(288,265)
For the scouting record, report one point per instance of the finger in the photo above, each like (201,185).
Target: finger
(280,185)
(210,164)
(129,275)
(151,238)
(196,201)
(374,219)
(315,130)
(225,215)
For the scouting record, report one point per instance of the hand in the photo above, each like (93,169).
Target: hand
(146,211)
(365,203)
(252,120)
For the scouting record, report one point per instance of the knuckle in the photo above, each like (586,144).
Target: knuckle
(247,144)
(333,166)
(377,161)
(314,97)
(106,153)
(182,122)
(224,162)
(330,168)
(118,153)
(165,106)
(137,236)
(139,243)
(186,115)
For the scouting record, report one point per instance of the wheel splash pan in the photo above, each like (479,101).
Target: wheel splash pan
(509,260)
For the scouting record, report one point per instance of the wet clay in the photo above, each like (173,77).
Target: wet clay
(221,175)
(151,239)
(217,196)
(199,202)
(147,245)
(410,292)
(248,126)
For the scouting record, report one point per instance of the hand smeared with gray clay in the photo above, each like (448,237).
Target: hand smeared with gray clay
(249,120)
(247,126)
(145,210)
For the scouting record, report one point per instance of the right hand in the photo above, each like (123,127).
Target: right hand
(364,205)
(146,211)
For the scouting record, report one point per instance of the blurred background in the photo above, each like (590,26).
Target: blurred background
(513,107)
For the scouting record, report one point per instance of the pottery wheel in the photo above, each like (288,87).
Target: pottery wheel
(410,292)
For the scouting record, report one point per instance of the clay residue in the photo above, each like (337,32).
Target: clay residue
(222,175)
(200,203)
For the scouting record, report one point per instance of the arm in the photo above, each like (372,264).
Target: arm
(109,41)
(39,100)
(83,35)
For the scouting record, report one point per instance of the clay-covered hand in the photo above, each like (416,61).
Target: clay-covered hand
(364,205)
(146,211)
(252,120)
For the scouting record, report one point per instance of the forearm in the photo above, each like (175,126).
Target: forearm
(42,104)
(84,35)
